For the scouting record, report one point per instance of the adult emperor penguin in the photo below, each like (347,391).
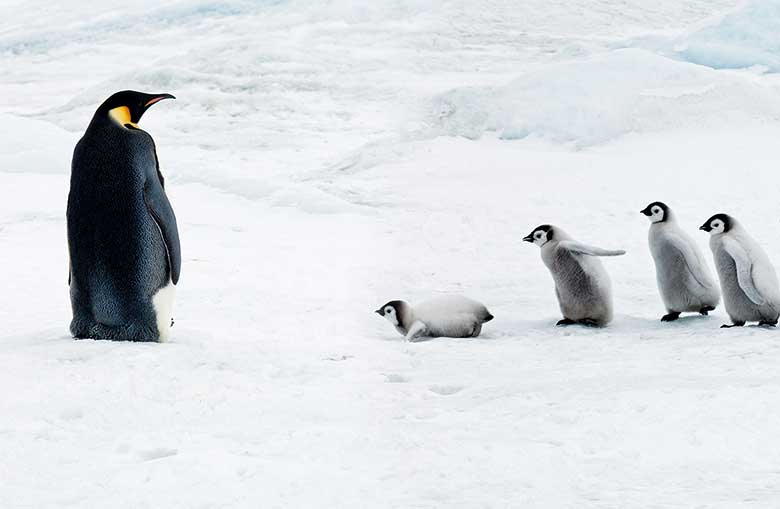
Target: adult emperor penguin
(451,316)
(683,278)
(123,240)
(582,285)
(750,289)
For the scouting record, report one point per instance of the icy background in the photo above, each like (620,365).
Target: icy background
(324,157)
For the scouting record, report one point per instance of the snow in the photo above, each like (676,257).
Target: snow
(743,38)
(634,91)
(324,158)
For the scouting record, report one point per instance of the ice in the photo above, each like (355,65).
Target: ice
(633,91)
(743,38)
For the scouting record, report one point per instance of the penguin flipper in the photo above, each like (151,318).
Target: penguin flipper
(162,212)
(578,247)
(744,270)
(416,332)
(691,261)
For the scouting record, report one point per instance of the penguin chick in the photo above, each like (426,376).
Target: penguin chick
(123,239)
(582,285)
(451,316)
(747,278)
(683,278)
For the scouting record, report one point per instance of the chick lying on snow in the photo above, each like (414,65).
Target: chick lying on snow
(451,316)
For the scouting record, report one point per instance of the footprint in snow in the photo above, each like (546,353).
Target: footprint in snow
(158,453)
(392,378)
(445,390)
(339,358)
(71,414)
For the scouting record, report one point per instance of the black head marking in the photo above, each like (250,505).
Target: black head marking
(648,211)
(726,219)
(395,304)
(546,228)
(136,103)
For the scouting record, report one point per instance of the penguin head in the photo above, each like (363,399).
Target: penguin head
(392,311)
(127,107)
(717,224)
(541,235)
(657,212)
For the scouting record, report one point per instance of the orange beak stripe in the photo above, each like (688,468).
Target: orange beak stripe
(156,99)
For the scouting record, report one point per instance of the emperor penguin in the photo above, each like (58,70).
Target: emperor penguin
(582,285)
(683,278)
(451,316)
(123,240)
(750,289)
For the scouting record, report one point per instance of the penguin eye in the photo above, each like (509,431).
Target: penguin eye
(656,210)
(538,235)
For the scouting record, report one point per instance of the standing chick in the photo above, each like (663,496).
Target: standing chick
(684,280)
(582,285)
(750,289)
(450,316)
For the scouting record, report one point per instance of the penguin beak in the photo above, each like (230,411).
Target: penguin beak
(379,312)
(528,238)
(705,228)
(645,211)
(157,98)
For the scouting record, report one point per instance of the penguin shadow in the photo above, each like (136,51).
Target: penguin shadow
(727,327)
(628,323)
(689,325)
(708,322)
(688,320)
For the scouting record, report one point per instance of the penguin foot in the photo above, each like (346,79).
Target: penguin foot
(132,332)
(735,324)
(670,317)
(564,322)
(79,328)
(766,323)
(706,310)
(589,322)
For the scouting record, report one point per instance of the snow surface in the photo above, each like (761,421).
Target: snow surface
(326,157)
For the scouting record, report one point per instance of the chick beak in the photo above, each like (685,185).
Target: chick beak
(529,238)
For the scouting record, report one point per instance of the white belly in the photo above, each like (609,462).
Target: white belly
(163,309)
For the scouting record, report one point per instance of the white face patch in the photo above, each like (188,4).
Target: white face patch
(391,316)
(540,237)
(717,227)
(656,214)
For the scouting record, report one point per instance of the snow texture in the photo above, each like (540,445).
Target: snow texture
(324,157)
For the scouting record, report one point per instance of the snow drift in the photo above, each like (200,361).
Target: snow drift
(748,36)
(600,98)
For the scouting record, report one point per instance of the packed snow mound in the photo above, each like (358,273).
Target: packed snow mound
(598,99)
(746,37)
(34,146)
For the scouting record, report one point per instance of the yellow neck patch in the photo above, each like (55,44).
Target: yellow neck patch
(121,116)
